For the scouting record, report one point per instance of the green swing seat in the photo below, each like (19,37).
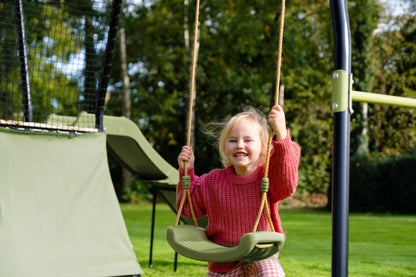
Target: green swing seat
(192,242)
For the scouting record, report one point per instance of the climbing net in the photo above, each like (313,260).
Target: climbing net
(54,60)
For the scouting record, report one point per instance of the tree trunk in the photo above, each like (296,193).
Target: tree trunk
(126,175)
(363,147)
(125,76)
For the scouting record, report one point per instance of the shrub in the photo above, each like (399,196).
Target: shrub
(384,186)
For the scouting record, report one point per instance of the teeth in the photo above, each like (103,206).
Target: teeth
(240,155)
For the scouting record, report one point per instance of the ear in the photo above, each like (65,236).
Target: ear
(263,152)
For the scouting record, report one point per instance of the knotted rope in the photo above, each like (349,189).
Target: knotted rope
(186,181)
(269,145)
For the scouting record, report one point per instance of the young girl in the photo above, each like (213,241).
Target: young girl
(231,196)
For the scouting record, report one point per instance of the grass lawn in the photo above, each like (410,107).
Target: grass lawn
(379,245)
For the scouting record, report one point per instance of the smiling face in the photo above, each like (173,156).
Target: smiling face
(243,147)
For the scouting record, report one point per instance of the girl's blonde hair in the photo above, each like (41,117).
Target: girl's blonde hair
(250,114)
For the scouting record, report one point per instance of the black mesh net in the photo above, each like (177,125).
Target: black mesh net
(52,55)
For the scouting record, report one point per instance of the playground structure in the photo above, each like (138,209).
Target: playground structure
(59,214)
(54,63)
(342,97)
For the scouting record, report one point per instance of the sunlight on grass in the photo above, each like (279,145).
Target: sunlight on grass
(379,245)
(138,221)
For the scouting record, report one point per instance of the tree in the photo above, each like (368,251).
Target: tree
(392,130)
(237,67)
(364,16)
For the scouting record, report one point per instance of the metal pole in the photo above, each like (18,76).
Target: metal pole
(383,99)
(108,59)
(152,228)
(24,64)
(341,141)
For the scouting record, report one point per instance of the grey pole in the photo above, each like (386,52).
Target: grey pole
(24,64)
(341,138)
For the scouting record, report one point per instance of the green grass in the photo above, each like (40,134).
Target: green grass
(379,245)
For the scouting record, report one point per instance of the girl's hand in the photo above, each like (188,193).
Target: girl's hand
(186,155)
(277,121)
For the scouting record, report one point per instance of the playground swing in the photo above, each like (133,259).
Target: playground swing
(192,241)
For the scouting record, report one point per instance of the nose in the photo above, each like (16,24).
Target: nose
(240,144)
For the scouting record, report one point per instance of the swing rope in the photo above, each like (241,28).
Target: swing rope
(192,241)
(269,144)
(186,181)
(265,180)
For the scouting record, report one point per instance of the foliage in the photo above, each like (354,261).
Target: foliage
(236,67)
(158,73)
(308,88)
(64,43)
(364,16)
(392,129)
(395,50)
(376,178)
(133,193)
(383,186)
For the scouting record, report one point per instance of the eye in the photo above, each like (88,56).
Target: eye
(232,140)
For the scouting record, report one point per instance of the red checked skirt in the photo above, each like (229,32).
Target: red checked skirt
(266,268)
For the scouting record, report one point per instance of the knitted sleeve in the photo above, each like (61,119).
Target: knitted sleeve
(283,168)
(196,194)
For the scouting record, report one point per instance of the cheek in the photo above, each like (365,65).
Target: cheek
(227,148)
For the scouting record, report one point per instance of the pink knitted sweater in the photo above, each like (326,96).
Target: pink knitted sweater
(232,202)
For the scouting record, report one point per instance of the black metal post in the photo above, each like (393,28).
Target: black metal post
(341,143)
(152,229)
(24,64)
(175,262)
(108,58)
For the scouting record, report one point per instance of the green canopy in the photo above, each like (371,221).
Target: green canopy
(59,215)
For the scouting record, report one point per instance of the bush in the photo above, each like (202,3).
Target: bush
(363,189)
(384,186)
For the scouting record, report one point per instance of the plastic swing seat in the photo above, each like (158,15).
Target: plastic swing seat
(192,242)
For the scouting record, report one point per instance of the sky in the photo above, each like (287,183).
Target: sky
(397,6)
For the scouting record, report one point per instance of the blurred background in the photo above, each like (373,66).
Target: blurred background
(236,67)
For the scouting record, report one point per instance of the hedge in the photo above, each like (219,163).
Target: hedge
(385,186)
